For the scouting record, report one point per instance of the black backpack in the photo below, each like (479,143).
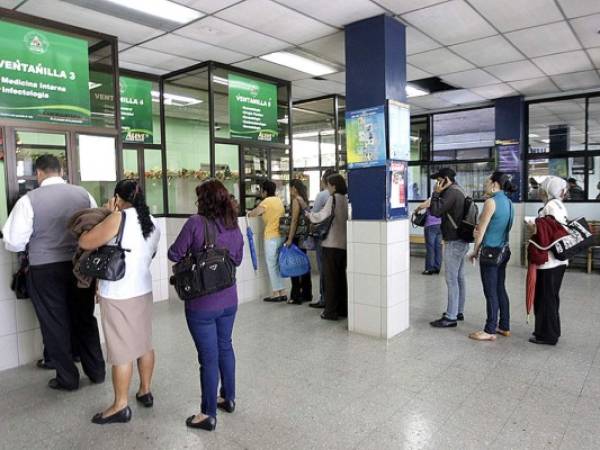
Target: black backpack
(466,227)
(206,272)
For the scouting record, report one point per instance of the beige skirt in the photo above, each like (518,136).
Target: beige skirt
(127,326)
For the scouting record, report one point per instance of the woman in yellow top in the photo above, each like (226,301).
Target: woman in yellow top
(271,209)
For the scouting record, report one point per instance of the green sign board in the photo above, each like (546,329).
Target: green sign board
(136,110)
(43,76)
(252,109)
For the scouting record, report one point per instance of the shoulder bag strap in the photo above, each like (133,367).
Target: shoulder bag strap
(121,228)
(209,235)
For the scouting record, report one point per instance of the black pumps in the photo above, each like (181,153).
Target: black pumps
(208,424)
(122,416)
(226,405)
(147,399)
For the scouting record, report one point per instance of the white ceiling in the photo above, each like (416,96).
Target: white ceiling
(486,48)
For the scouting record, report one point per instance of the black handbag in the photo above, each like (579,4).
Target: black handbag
(107,262)
(285,223)
(206,272)
(579,239)
(19,279)
(418,219)
(494,256)
(320,230)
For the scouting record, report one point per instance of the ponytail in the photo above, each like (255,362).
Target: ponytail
(130,191)
(505,182)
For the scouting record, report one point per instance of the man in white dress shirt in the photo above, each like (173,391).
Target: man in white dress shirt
(38,225)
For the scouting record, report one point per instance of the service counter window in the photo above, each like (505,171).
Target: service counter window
(419,139)
(153,182)
(568,169)
(186,138)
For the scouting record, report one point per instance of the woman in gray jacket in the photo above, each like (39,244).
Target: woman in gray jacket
(334,249)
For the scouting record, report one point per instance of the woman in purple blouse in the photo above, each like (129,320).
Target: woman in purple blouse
(433,240)
(210,318)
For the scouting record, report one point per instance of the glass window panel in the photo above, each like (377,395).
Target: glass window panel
(594,178)
(227,160)
(417,182)
(130,163)
(557,126)
(466,131)
(186,138)
(312,180)
(3,187)
(471,176)
(255,172)
(102,87)
(540,168)
(280,173)
(97,166)
(419,139)
(313,133)
(153,180)
(342,156)
(594,124)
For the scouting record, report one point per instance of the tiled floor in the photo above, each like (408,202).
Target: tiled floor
(307,384)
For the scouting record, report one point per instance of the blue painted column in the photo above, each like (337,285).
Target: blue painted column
(378,248)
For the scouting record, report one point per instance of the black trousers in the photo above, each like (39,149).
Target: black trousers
(66,314)
(335,283)
(547,303)
(301,286)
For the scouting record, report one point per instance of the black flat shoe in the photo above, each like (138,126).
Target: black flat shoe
(460,317)
(227,405)
(270,299)
(443,323)
(208,424)
(54,384)
(42,364)
(317,305)
(535,340)
(147,399)
(326,317)
(122,416)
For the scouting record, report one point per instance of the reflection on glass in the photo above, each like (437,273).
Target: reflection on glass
(280,173)
(419,139)
(3,205)
(312,181)
(255,172)
(153,180)
(130,163)
(594,178)
(227,167)
(567,168)
(557,126)
(314,133)
(417,182)
(471,176)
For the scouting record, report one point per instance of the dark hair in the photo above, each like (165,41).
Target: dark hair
(338,181)
(214,202)
(300,187)
(131,192)
(269,187)
(48,164)
(572,180)
(327,173)
(504,181)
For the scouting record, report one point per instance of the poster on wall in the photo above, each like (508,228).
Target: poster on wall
(43,76)
(136,110)
(508,160)
(365,137)
(398,189)
(399,130)
(252,109)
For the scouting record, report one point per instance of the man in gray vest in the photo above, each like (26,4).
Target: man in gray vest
(38,224)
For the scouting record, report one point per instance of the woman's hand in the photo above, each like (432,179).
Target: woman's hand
(288,243)
(111,204)
(473,256)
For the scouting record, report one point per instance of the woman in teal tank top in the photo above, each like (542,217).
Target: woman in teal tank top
(493,231)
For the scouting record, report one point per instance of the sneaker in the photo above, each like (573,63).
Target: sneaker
(460,316)
(443,323)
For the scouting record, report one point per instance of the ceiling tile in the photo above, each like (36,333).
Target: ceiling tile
(429,102)
(412,73)
(144,56)
(439,62)
(535,86)
(495,91)
(402,6)
(587,30)
(545,40)
(141,68)
(417,42)
(450,23)
(564,63)
(340,77)
(331,48)
(335,12)
(299,93)
(181,46)
(470,79)
(269,68)
(221,33)
(519,70)
(595,55)
(92,20)
(460,97)
(207,6)
(324,86)
(488,51)
(576,8)
(530,13)
(9,4)
(279,21)
(581,80)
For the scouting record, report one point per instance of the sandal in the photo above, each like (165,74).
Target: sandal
(482,336)
(504,333)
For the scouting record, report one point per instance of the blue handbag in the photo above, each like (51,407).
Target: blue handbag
(293,262)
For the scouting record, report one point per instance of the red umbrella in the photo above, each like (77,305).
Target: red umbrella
(530,286)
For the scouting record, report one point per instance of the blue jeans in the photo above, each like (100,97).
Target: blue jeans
(433,246)
(496,298)
(454,262)
(211,331)
(272,247)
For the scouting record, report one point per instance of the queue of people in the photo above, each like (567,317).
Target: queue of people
(58,224)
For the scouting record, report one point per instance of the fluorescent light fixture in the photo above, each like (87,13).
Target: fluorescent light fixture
(312,134)
(164,9)
(175,100)
(220,80)
(533,135)
(412,91)
(299,62)
(545,141)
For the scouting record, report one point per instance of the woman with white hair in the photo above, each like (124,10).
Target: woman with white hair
(550,274)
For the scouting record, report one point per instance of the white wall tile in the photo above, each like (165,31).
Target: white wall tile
(366,258)
(6,273)
(9,354)
(30,346)
(397,289)
(395,231)
(366,232)
(397,319)
(26,318)
(367,319)
(156,291)
(367,289)
(396,258)
(8,317)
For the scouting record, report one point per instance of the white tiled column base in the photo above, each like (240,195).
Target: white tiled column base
(378,277)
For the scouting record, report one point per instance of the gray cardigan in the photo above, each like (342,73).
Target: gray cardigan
(336,238)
